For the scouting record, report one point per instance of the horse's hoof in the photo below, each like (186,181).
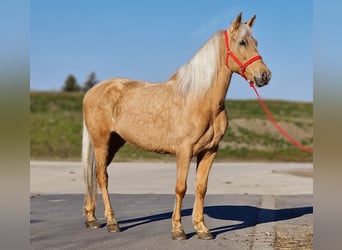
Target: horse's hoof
(204,235)
(92,224)
(113,228)
(178,235)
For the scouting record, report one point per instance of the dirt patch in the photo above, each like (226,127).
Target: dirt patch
(289,236)
(296,172)
(261,126)
(261,135)
(241,145)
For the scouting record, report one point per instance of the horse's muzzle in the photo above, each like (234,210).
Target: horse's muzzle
(263,80)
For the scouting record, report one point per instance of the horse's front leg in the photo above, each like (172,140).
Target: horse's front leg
(183,164)
(204,163)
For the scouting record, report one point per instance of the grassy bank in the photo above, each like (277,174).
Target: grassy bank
(56,130)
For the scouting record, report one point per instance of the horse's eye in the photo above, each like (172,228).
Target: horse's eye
(243,43)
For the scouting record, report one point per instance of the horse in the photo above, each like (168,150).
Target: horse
(184,116)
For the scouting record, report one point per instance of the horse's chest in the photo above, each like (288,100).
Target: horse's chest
(214,133)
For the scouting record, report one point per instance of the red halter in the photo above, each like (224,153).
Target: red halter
(242,66)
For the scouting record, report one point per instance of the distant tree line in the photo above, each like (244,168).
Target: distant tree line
(71,85)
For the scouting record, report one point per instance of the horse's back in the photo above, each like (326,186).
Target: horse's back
(106,93)
(106,87)
(99,102)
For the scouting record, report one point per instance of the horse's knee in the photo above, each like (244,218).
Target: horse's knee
(201,189)
(181,190)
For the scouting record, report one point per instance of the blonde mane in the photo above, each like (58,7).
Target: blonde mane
(197,75)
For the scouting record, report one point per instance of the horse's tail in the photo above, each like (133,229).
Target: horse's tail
(89,165)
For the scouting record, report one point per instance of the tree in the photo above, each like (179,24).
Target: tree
(90,82)
(70,84)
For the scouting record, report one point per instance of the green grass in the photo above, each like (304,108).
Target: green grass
(55,125)
(281,110)
(56,131)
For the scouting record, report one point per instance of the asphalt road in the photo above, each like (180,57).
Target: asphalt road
(245,206)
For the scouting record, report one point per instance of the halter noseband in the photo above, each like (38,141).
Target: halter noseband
(242,66)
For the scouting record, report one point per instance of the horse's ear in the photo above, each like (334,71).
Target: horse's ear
(236,23)
(251,21)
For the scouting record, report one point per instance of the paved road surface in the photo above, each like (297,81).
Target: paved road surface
(245,206)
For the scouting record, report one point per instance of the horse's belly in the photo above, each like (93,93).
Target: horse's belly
(150,143)
(147,136)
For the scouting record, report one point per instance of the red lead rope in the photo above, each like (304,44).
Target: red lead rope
(281,130)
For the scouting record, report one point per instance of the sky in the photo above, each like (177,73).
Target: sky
(150,40)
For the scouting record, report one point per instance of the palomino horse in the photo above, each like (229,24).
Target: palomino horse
(184,116)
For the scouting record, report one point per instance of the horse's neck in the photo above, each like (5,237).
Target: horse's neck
(216,95)
(221,85)
(224,75)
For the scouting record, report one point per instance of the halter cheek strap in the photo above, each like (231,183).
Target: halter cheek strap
(242,66)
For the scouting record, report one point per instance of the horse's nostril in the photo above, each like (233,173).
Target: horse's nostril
(264,76)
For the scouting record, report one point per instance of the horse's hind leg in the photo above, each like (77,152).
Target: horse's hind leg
(104,153)
(89,211)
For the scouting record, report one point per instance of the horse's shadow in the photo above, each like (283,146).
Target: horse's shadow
(248,215)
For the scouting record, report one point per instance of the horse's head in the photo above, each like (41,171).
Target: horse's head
(242,54)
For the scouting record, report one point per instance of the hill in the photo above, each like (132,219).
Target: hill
(56,130)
